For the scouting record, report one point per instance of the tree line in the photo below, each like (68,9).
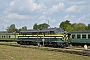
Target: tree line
(12,28)
(66,25)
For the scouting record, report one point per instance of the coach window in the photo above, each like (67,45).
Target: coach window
(84,36)
(9,36)
(78,36)
(89,36)
(2,36)
(73,36)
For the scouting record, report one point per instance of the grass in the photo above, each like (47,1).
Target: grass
(19,53)
(8,42)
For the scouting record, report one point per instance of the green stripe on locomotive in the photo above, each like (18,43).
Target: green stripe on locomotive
(51,38)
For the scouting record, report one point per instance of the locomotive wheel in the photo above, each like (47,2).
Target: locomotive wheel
(21,43)
(18,42)
(28,43)
(63,45)
(54,45)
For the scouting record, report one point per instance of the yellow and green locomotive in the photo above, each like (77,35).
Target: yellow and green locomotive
(48,37)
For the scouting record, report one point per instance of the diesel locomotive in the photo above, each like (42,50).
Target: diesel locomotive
(49,37)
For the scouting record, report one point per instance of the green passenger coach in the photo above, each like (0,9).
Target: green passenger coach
(79,37)
(8,37)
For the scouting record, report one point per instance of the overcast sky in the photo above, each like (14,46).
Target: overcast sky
(28,12)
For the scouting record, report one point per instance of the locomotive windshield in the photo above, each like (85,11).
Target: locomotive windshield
(59,30)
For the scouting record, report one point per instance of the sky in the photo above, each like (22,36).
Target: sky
(28,12)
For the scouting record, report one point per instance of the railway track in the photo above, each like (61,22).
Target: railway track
(79,51)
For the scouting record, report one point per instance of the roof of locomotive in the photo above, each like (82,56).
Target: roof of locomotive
(59,30)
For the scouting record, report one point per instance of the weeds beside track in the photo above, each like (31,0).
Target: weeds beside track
(79,51)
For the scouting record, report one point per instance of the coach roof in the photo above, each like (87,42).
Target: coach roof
(86,31)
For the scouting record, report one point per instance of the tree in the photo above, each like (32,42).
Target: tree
(79,26)
(35,26)
(69,28)
(40,26)
(11,28)
(24,28)
(65,24)
(43,26)
(17,30)
(88,27)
